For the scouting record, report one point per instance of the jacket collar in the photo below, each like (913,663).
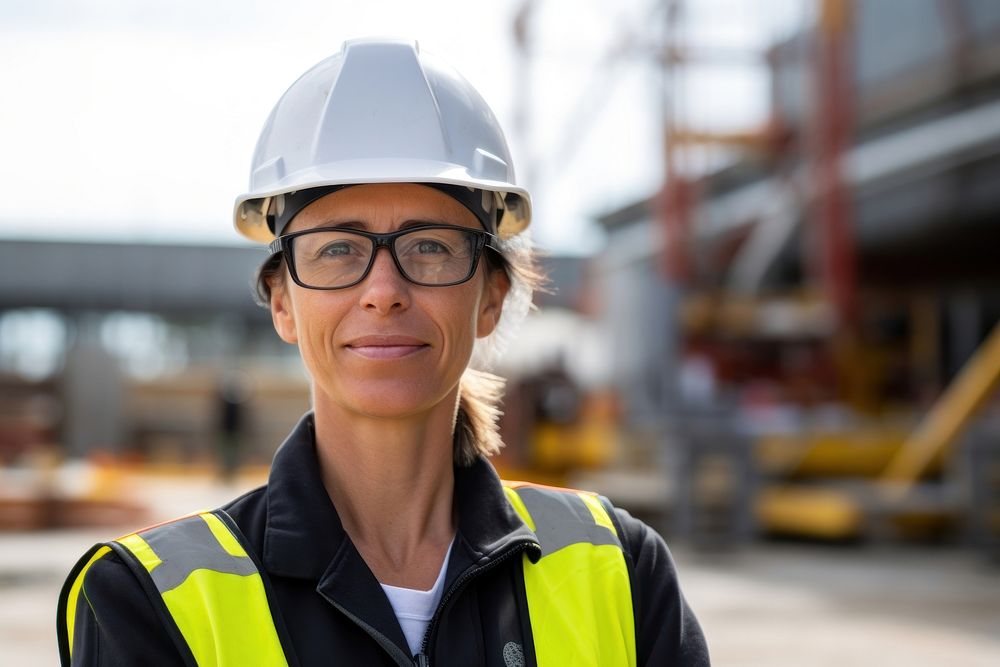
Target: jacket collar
(303,534)
(303,531)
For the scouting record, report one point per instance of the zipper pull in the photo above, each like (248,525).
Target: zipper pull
(422,660)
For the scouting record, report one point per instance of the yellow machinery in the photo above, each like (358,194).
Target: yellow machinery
(839,512)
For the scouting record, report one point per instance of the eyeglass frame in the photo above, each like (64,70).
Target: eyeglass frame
(283,245)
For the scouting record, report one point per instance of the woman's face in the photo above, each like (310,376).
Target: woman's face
(386,347)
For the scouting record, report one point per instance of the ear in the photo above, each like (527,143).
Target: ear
(282,314)
(491,305)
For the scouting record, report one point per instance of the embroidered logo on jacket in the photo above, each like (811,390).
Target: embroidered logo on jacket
(513,655)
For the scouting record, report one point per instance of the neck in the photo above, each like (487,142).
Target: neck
(391,481)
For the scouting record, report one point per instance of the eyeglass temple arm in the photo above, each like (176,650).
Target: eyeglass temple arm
(276,246)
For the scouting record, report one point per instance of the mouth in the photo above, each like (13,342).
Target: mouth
(386,347)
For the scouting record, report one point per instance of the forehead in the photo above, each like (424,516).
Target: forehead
(383,206)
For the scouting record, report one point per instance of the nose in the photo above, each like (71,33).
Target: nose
(384,289)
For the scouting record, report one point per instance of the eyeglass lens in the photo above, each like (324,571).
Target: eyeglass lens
(338,258)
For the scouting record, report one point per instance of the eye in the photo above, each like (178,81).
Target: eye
(339,249)
(430,247)
(436,243)
(335,249)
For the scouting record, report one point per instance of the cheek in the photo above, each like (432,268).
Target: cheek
(315,323)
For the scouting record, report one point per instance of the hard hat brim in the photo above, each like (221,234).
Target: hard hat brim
(250,210)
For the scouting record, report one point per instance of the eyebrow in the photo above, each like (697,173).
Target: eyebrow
(362,226)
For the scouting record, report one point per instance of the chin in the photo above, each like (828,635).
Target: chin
(392,398)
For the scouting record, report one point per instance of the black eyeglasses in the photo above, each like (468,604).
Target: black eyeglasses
(429,255)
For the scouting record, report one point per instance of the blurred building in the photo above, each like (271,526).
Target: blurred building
(123,349)
(130,349)
(836,270)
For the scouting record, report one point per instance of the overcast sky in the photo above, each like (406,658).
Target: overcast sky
(135,121)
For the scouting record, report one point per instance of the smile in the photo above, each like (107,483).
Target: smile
(386,347)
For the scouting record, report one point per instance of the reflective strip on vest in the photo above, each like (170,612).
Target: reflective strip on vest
(74,595)
(579,595)
(212,590)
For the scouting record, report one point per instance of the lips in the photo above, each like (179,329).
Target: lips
(385,346)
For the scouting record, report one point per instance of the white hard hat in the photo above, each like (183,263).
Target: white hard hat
(380,112)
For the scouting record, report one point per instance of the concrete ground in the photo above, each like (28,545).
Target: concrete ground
(798,606)
(774,605)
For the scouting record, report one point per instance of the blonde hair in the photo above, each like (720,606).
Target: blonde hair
(477,424)
(477,427)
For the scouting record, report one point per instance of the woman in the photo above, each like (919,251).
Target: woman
(385,189)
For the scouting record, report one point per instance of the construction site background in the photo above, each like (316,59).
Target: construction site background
(785,358)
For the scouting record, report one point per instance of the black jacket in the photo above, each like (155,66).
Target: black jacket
(331,609)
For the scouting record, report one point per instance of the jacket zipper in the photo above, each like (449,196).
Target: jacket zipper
(423,658)
(388,646)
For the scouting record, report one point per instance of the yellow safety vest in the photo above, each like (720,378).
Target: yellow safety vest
(579,594)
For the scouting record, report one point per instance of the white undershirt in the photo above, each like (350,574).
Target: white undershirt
(414,609)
